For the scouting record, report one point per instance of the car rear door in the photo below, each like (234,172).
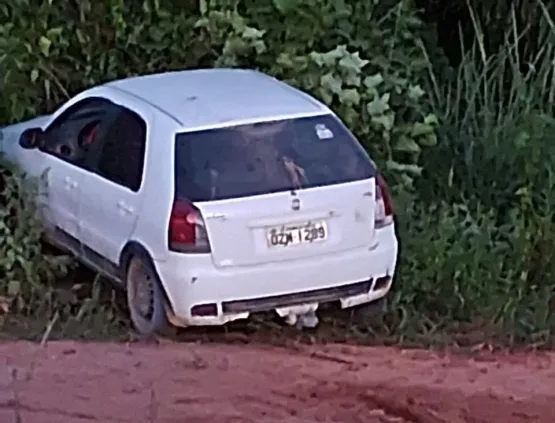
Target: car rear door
(111,196)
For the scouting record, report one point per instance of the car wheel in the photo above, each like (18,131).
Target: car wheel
(365,314)
(145,297)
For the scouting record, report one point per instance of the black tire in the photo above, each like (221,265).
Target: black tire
(145,296)
(366,314)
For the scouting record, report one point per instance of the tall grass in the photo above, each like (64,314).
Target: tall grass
(497,114)
(479,244)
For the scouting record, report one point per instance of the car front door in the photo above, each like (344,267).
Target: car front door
(111,198)
(66,145)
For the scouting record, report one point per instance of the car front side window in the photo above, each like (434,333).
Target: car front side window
(71,134)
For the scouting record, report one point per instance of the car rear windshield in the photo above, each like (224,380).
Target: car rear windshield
(267,157)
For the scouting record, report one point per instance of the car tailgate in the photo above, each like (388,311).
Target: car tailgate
(290,225)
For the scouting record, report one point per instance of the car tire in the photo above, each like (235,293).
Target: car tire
(366,314)
(145,296)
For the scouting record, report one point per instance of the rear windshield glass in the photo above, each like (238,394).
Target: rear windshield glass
(267,157)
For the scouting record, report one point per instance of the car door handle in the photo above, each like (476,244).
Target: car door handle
(70,183)
(125,208)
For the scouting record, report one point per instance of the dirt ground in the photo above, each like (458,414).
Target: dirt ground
(71,382)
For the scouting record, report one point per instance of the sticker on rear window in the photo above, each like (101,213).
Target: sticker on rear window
(323,132)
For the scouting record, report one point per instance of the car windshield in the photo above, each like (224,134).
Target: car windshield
(267,157)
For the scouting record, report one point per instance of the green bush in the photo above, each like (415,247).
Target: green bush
(497,122)
(25,272)
(30,272)
(372,74)
(459,265)
(479,242)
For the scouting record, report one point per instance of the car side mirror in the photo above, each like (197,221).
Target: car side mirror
(31,138)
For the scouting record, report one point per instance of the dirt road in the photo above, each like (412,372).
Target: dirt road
(75,383)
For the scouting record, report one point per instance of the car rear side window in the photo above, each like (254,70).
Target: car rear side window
(123,152)
(261,158)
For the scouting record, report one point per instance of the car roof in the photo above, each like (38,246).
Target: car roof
(216,97)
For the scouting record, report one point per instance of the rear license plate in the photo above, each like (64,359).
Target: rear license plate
(289,235)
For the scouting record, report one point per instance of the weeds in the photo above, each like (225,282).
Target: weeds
(496,114)
(478,242)
(37,283)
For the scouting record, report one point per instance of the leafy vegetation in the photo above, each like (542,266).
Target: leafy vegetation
(461,132)
(35,284)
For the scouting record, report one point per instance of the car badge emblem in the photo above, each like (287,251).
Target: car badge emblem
(296,204)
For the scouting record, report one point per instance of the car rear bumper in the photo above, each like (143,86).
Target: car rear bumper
(292,287)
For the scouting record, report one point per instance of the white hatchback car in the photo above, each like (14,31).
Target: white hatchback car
(211,194)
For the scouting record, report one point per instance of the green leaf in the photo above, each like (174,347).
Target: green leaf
(415,92)
(428,140)
(325,96)
(310,81)
(420,129)
(378,106)
(80,36)
(251,33)
(408,168)
(323,59)
(203,7)
(202,23)
(235,45)
(54,32)
(349,97)
(329,58)
(521,139)
(284,6)
(331,83)
(385,121)
(406,144)
(353,63)
(352,80)
(373,81)
(44,46)
(14,288)
(431,119)
(284,60)
(34,75)
(259,46)
(522,191)
(47,89)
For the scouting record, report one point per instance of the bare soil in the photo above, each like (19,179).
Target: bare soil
(71,382)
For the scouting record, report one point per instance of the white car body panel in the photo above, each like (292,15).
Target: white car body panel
(236,228)
(109,211)
(60,200)
(195,280)
(33,162)
(241,269)
(62,197)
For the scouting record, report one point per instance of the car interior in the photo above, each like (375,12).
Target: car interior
(73,142)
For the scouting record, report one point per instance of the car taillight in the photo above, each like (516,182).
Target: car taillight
(186,229)
(384,208)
